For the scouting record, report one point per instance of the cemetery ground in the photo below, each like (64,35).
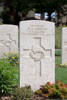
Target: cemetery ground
(9,79)
(60,70)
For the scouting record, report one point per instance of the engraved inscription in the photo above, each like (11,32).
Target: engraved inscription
(8,42)
(36,30)
(37,53)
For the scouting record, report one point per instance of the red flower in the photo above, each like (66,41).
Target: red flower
(58,82)
(46,95)
(65,85)
(50,91)
(48,83)
(59,86)
(41,88)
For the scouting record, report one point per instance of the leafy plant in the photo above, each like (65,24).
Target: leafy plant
(56,91)
(63,65)
(24,93)
(8,77)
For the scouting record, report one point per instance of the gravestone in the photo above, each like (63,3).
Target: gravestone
(37,15)
(31,14)
(37,53)
(64,45)
(8,39)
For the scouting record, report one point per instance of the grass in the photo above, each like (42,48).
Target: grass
(58,52)
(61,74)
(58,32)
(57,57)
(58,35)
(57,60)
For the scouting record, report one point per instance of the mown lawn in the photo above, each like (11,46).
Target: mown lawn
(58,33)
(57,56)
(60,73)
(57,60)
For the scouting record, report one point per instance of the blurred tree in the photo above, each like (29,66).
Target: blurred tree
(40,6)
(50,6)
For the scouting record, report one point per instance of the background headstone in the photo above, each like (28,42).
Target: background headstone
(37,15)
(8,39)
(37,53)
(31,14)
(64,45)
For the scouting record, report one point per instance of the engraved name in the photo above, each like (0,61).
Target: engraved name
(36,30)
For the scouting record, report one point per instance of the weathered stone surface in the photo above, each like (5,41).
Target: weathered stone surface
(8,39)
(64,45)
(37,53)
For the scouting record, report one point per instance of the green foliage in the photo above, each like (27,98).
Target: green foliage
(24,93)
(61,74)
(58,32)
(63,65)
(40,6)
(57,60)
(57,56)
(54,91)
(58,52)
(8,77)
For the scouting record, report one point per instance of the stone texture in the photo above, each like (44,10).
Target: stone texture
(37,53)
(8,39)
(64,45)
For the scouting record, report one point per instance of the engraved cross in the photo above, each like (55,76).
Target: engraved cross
(37,52)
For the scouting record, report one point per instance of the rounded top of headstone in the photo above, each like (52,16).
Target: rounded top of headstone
(9,25)
(36,21)
(64,28)
(31,14)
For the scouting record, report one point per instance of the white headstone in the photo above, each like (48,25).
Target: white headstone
(8,39)
(37,15)
(31,14)
(64,45)
(37,48)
